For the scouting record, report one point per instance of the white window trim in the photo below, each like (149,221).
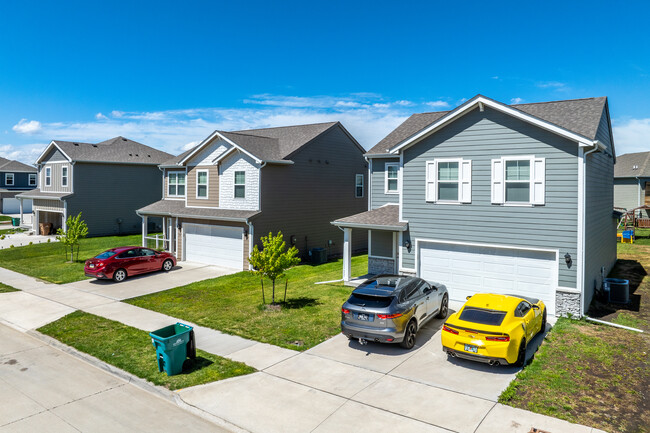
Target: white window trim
(464,181)
(207,183)
(235,184)
(48,176)
(391,164)
(177,195)
(30,182)
(356,185)
(64,178)
(537,181)
(13,179)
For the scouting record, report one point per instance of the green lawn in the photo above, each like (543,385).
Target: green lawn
(5,218)
(5,288)
(131,350)
(48,261)
(233,304)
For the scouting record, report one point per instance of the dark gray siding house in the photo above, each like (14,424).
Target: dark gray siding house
(497,198)
(106,182)
(632,181)
(233,188)
(15,177)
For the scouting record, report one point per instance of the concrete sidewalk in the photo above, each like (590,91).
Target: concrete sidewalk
(330,388)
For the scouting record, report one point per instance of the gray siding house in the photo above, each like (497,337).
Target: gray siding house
(15,177)
(106,181)
(632,181)
(233,188)
(490,197)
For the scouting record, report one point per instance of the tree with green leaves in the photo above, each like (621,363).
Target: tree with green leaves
(273,260)
(76,229)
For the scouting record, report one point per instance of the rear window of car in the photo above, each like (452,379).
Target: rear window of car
(106,255)
(370,301)
(482,316)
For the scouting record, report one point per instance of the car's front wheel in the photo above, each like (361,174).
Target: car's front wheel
(119,275)
(167,265)
(409,336)
(521,356)
(444,307)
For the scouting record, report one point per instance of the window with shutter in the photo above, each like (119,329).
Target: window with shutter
(519,180)
(449,181)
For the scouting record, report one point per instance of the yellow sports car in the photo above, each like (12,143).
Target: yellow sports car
(494,328)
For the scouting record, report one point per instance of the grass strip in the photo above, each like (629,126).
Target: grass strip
(6,289)
(131,350)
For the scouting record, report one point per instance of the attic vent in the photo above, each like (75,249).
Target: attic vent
(94,145)
(148,156)
(76,144)
(137,154)
(635,167)
(123,139)
(130,154)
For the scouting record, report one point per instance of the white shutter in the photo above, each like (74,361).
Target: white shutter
(497,181)
(465,181)
(538,184)
(431,187)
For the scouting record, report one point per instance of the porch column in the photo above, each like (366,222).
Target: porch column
(144,231)
(164,230)
(20,200)
(35,222)
(347,254)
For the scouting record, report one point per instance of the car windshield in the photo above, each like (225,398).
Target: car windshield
(482,316)
(370,301)
(106,255)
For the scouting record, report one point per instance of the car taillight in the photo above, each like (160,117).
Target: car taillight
(500,338)
(345,311)
(448,329)
(389,316)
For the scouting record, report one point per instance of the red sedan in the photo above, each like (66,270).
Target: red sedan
(122,262)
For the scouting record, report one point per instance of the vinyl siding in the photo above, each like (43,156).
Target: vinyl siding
(56,185)
(213,186)
(627,194)
(21,180)
(106,192)
(53,155)
(179,233)
(480,137)
(47,205)
(237,161)
(302,199)
(378,197)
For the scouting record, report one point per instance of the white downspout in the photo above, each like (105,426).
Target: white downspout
(250,242)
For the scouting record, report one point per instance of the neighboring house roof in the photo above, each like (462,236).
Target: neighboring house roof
(15,166)
(579,116)
(633,165)
(267,144)
(382,218)
(38,194)
(118,150)
(177,208)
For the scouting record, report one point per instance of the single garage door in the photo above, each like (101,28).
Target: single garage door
(470,269)
(12,205)
(214,245)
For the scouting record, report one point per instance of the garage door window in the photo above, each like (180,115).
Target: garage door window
(240,184)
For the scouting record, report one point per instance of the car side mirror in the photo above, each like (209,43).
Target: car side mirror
(536,307)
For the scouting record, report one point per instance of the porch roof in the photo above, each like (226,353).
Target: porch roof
(38,194)
(383,218)
(177,208)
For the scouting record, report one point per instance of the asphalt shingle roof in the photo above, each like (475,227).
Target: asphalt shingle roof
(632,165)
(115,150)
(387,216)
(177,208)
(15,166)
(37,193)
(581,116)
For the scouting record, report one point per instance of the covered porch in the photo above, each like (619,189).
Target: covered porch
(384,234)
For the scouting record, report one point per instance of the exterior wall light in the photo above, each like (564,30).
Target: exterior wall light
(567,259)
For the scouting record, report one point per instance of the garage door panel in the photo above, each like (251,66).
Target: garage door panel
(216,245)
(470,269)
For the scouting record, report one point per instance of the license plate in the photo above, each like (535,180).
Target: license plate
(91,266)
(470,348)
(364,317)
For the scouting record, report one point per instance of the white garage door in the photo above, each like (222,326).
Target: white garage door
(12,205)
(470,269)
(214,245)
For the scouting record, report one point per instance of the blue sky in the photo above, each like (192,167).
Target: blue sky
(168,73)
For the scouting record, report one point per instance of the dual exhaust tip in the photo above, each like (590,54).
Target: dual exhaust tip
(491,362)
(363,341)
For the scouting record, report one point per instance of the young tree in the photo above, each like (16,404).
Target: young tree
(76,230)
(273,260)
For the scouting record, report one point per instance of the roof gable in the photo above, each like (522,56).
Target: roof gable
(633,165)
(15,166)
(117,150)
(577,120)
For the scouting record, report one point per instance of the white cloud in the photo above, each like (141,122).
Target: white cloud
(516,100)
(117,114)
(191,144)
(404,103)
(631,135)
(25,127)
(26,153)
(100,116)
(437,104)
(553,85)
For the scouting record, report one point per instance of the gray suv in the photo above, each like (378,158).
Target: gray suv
(391,309)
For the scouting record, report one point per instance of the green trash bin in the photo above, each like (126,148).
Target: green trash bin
(15,222)
(171,343)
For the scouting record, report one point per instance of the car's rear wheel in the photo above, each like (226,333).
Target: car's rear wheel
(543,327)
(521,356)
(167,265)
(409,336)
(444,307)
(119,275)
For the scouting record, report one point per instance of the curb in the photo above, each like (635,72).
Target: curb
(171,396)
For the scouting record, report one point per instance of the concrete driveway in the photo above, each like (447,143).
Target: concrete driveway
(139,285)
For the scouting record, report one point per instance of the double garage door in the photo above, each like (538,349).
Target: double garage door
(12,206)
(470,269)
(214,245)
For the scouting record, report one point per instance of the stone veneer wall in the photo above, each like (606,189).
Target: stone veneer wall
(567,303)
(380,266)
